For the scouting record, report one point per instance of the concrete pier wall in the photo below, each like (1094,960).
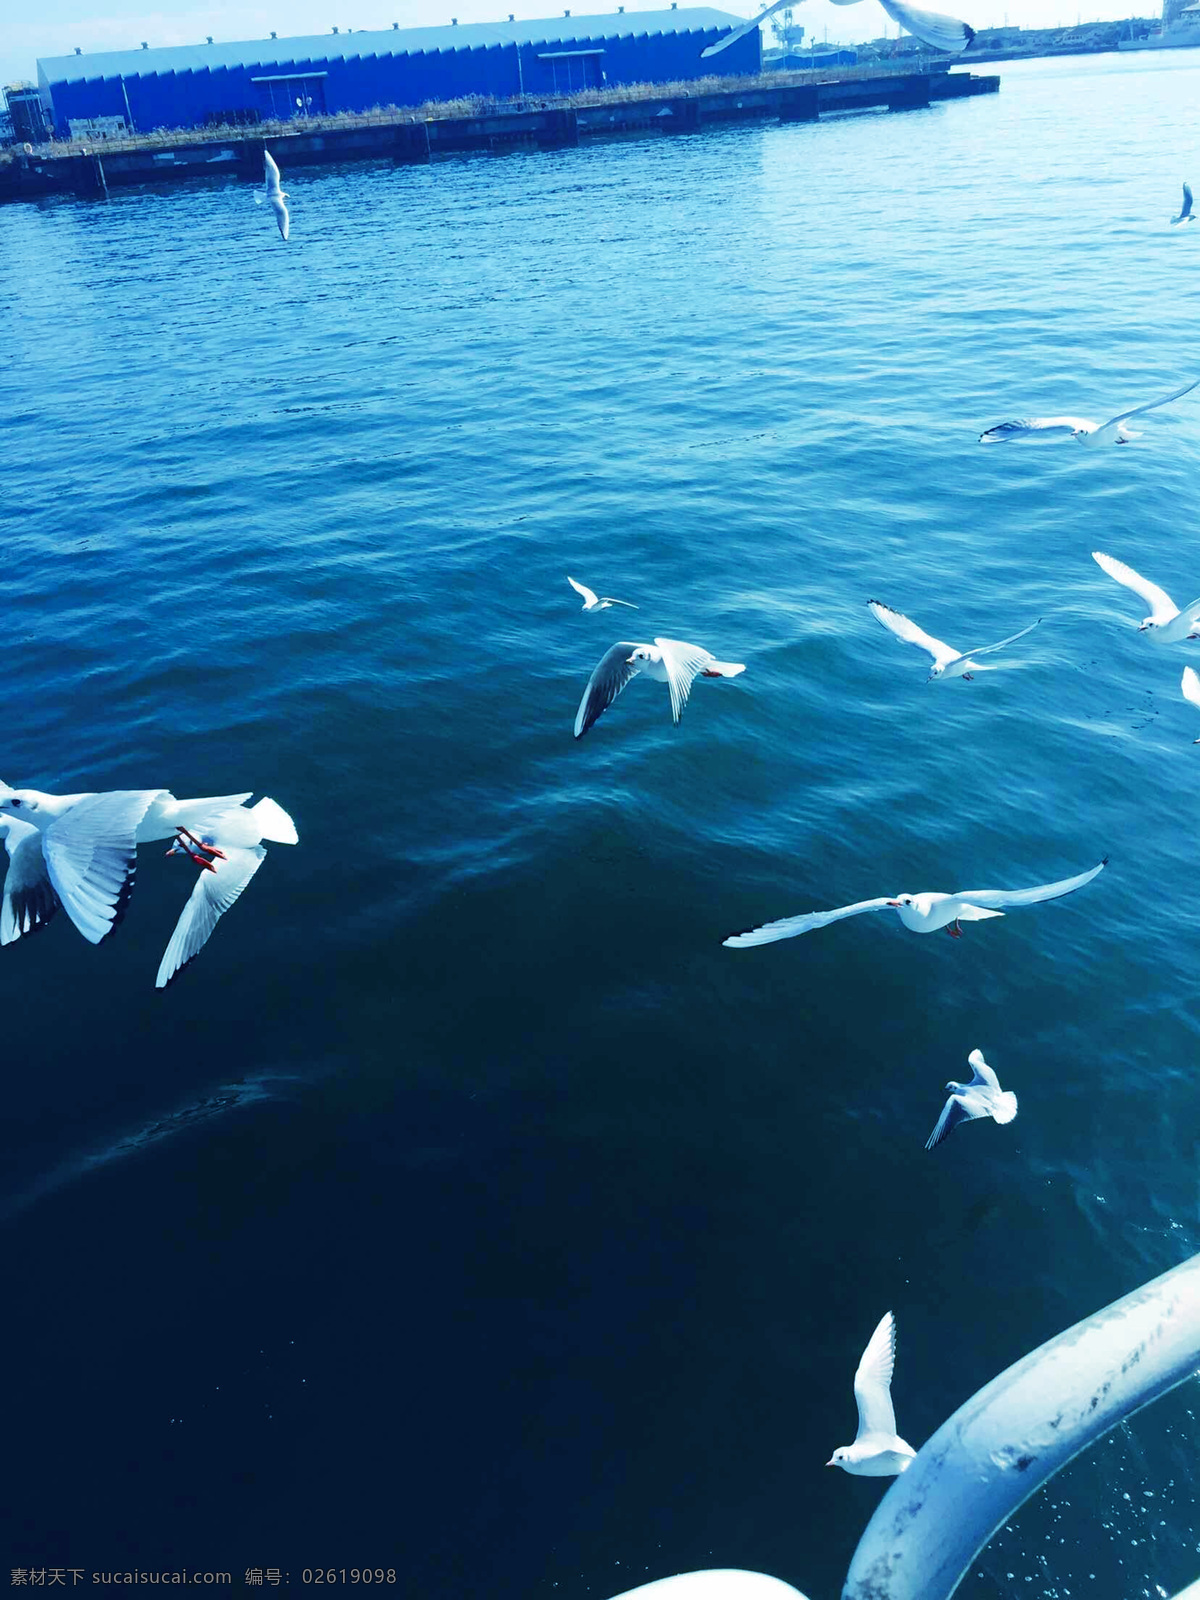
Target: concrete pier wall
(94,174)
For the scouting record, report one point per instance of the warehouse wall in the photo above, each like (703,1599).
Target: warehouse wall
(189,99)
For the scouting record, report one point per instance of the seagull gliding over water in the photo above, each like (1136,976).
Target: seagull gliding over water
(274,195)
(1166,624)
(982,1097)
(593,602)
(921,913)
(89,844)
(878,1450)
(947,661)
(671,661)
(1185,210)
(229,849)
(1048,430)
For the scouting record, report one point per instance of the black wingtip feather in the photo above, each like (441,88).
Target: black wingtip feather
(122,901)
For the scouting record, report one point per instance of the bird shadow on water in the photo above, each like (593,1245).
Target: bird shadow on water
(188,1118)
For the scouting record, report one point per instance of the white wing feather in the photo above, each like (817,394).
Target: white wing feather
(904,628)
(91,856)
(990,649)
(682,661)
(873,1381)
(609,676)
(1190,684)
(590,596)
(953,1112)
(789,927)
(982,1073)
(1035,430)
(1162,607)
(997,899)
(1151,405)
(931,27)
(746,27)
(210,899)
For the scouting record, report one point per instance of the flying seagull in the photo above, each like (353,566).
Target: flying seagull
(1048,430)
(947,662)
(593,602)
(982,1097)
(878,1450)
(922,913)
(273,194)
(670,661)
(1166,624)
(228,847)
(1190,685)
(1185,210)
(943,33)
(89,846)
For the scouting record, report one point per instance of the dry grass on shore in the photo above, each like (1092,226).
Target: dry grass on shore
(469,106)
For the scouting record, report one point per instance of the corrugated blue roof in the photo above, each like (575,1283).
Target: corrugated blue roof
(266,53)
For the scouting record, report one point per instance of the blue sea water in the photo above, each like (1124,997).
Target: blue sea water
(466,1209)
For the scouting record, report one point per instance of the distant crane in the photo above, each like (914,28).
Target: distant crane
(789,33)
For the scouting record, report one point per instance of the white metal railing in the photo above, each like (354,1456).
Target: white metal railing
(1000,1447)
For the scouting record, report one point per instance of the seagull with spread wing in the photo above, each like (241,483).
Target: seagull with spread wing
(593,602)
(921,913)
(878,1450)
(1048,430)
(982,1097)
(1185,210)
(87,844)
(1166,624)
(931,27)
(947,661)
(671,661)
(274,195)
(227,846)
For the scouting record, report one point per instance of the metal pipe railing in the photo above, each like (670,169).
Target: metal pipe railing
(1000,1447)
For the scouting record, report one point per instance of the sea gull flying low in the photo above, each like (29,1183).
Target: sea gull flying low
(947,662)
(921,913)
(227,846)
(1185,210)
(878,1450)
(931,27)
(982,1097)
(1048,430)
(594,602)
(671,661)
(89,846)
(274,195)
(1166,624)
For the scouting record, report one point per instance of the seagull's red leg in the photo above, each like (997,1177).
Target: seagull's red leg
(185,839)
(953,929)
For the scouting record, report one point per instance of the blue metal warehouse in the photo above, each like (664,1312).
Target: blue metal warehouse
(191,85)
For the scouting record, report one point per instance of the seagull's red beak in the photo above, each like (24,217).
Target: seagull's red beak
(831,1463)
(893,902)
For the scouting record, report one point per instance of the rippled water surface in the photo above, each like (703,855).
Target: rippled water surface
(467,1209)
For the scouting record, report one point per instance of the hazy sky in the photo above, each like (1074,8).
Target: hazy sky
(55,27)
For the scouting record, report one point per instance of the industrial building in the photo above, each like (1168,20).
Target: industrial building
(197,85)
